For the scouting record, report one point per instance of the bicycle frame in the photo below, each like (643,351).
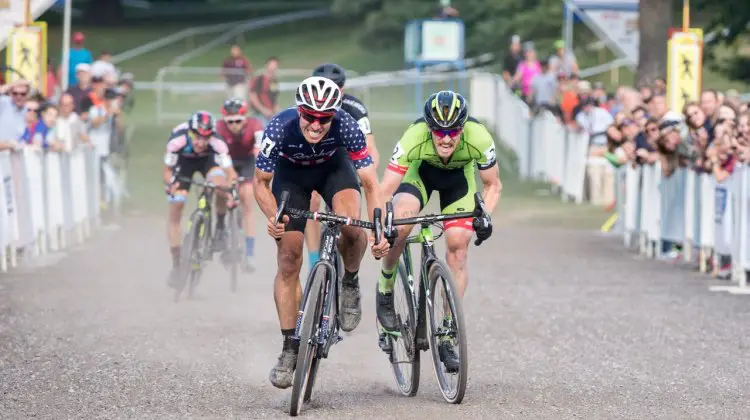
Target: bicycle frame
(426,239)
(328,334)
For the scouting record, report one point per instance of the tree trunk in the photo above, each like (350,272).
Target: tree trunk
(104,12)
(654,23)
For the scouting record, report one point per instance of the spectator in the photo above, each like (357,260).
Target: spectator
(236,70)
(264,92)
(69,128)
(669,139)
(563,61)
(526,71)
(35,131)
(646,146)
(52,89)
(126,87)
(49,113)
(80,90)
(640,116)
(544,88)
(512,60)
(568,97)
(99,119)
(709,103)
(12,111)
(103,66)
(599,93)
(584,94)
(78,55)
(94,98)
(447,12)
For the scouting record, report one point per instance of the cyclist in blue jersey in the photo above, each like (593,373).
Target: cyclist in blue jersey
(300,152)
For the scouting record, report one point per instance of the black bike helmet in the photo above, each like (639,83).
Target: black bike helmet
(445,110)
(333,72)
(202,122)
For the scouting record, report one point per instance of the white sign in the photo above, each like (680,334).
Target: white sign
(621,27)
(13,12)
(442,40)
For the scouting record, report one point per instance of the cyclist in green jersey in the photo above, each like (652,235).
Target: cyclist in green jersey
(439,153)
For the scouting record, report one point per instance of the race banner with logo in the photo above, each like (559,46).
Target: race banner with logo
(615,21)
(27,55)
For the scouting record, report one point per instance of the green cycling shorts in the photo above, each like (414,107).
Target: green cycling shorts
(456,188)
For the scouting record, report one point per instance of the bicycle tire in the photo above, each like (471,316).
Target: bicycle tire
(438,270)
(189,242)
(199,254)
(408,384)
(312,313)
(234,250)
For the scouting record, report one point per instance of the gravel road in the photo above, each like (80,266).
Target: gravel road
(562,324)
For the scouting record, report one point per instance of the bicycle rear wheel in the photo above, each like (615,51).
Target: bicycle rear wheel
(448,328)
(404,356)
(304,373)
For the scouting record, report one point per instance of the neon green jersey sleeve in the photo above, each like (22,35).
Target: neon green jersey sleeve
(481,139)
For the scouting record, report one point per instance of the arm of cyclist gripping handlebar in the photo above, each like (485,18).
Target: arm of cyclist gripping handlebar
(481,216)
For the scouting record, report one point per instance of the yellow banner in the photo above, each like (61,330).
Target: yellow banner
(27,55)
(684,69)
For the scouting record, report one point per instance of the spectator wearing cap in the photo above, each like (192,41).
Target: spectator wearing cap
(236,70)
(94,98)
(82,87)
(13,99)
(563,60)
(584,93)
(512,59)
(78,55)
(103,66)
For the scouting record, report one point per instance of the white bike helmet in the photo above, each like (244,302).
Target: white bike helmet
(319,94)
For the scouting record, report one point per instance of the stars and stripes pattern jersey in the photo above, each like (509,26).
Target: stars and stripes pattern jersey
(283,139)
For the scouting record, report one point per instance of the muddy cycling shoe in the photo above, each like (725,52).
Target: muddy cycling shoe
(448,357)
(351,310)
(219,242)
(386,312)
(282,374)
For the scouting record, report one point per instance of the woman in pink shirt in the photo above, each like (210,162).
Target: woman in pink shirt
(526,71)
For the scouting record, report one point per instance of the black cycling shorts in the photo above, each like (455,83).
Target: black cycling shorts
(326,179)
(189,166)
(245,168)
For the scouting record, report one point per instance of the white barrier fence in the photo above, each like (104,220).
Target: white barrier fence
(50,200)
(709,219)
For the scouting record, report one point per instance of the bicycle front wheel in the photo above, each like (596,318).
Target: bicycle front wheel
(447,332)
(189,254)
(235,248)
(404,356)
(307,361)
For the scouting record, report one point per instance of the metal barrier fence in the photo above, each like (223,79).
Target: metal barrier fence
(50,200)
(709,219)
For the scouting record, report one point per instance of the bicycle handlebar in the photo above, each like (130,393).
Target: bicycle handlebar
(375,225)
(480,212)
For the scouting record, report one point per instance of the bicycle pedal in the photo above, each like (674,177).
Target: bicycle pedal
(385,343)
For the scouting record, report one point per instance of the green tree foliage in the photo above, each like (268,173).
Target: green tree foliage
(731,15)
(489,23)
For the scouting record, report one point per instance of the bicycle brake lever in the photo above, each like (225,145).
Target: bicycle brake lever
(280,210)
(389,231)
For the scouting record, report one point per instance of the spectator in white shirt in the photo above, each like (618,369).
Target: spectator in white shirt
(103,66)
(70,130)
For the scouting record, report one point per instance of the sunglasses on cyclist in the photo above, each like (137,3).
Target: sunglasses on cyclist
(450,133)
(311,117)
(236,120)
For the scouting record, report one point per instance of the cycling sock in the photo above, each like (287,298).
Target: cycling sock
(385,284)
(350,279)
(220,221)
(447,320)
(249,245)
(314,257)
(175,250)
(289,342)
